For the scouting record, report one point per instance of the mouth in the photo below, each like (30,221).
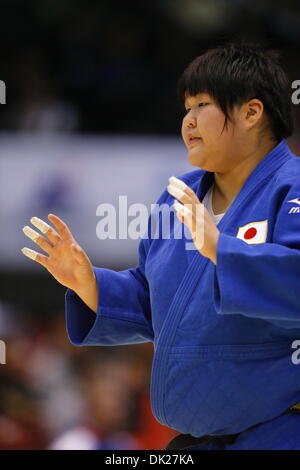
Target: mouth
(194,140)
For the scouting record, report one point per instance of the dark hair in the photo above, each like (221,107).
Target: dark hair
(236,72)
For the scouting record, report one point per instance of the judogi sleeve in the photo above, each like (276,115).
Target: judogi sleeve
(262,280)
(124,312)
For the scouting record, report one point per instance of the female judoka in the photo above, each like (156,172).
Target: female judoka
(224,317)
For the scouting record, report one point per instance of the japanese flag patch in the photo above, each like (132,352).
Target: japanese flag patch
(254,232)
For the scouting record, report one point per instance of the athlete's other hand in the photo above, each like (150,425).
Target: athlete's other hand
(66,260)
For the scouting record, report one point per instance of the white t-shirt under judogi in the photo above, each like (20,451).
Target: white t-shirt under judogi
(207,202)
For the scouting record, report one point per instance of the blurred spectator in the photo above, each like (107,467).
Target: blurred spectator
(58,396)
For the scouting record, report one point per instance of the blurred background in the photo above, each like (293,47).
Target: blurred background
(91,114)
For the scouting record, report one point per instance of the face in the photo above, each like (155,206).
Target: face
(214,150)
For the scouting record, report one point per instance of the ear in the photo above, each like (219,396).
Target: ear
(252,112)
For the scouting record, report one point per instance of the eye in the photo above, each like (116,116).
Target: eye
(200,105)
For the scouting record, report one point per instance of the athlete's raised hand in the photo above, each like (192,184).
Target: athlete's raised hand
(196,217)
(66,260)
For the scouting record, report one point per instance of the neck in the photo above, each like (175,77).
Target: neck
(228,184)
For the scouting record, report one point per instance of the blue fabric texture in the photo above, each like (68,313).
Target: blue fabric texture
(223,333)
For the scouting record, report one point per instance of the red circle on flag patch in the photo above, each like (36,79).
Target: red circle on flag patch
(250,233)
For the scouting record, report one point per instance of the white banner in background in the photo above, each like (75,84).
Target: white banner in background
(71,175)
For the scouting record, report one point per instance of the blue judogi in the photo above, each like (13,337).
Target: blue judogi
(222,333)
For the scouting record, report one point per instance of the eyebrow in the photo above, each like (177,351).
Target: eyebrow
(191,97)
(199,98)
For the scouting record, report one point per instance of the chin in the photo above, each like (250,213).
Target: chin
(197,160)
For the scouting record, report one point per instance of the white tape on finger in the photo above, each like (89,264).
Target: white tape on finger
(29,253)
(29,232)
(40,224)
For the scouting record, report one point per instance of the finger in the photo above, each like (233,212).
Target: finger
(193,217)
(35,256)
(38,239)
(181,191)
(184,219)
(175,191)
(177,188)
(183,196)
(184,209)
(199,212)
(191,194)
(62,228)
(185,213)
(173,181)
(46,229)
(198,219)
(177,182)
(186,216)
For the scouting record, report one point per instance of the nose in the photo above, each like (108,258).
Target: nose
(190,121)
